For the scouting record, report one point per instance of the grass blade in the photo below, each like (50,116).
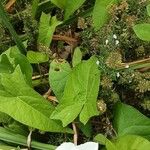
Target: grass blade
(5,21)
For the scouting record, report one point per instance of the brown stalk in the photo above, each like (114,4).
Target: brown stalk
(65,39)
(75,136)
(9,5)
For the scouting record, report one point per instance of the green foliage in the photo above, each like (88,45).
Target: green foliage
(47,27)
(58,76)
(11,58)
(22,103)
(148,9)
(127,142)
(80,94)
(100,12)
(34,7)
(128,120)
(4,118)
(73,82)
(61,4)
(77,57)
(37,57)
(5,65)
(142,31)
(71,7)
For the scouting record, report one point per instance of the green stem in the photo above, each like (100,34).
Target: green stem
(7,136)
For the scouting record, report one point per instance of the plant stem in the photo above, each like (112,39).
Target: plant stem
(8,136)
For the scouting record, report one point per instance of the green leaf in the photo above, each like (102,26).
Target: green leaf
(22,103)
(61,4)
(127,142)
(12,58)
(132,142)
(37,57)
(5,65)
(71,7)
(34,7)
(148,9)
(86,129)
(142,31)
(100,12)
(77,57)
(4,118)
(80,94)
(47,28)
(128,120)
(58,76)
(25,67)
(104,141)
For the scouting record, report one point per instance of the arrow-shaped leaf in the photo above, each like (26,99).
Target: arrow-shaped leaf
(21,102)
(80,94)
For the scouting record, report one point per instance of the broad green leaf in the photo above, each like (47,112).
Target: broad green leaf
(5,65)
(12,58)
(59,3)
(25,67)
(104,141)
(148,9)
(100,12)
(47,28)
(77,57)
(80,94)
(37,57)
(128,120)
(132,142)
(127,142)
(71,7)
(58,76)
(22,103)
(142,31)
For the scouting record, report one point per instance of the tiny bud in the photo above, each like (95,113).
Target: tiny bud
(127,66)
(115,36)
(117,42)
(106,42)
(118,75)
(97,62)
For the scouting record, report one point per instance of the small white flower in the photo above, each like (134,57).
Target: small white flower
(116,42)
(106,42)
(115,36)
(127,66)
(85,146)
(97,62)
(118,75)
